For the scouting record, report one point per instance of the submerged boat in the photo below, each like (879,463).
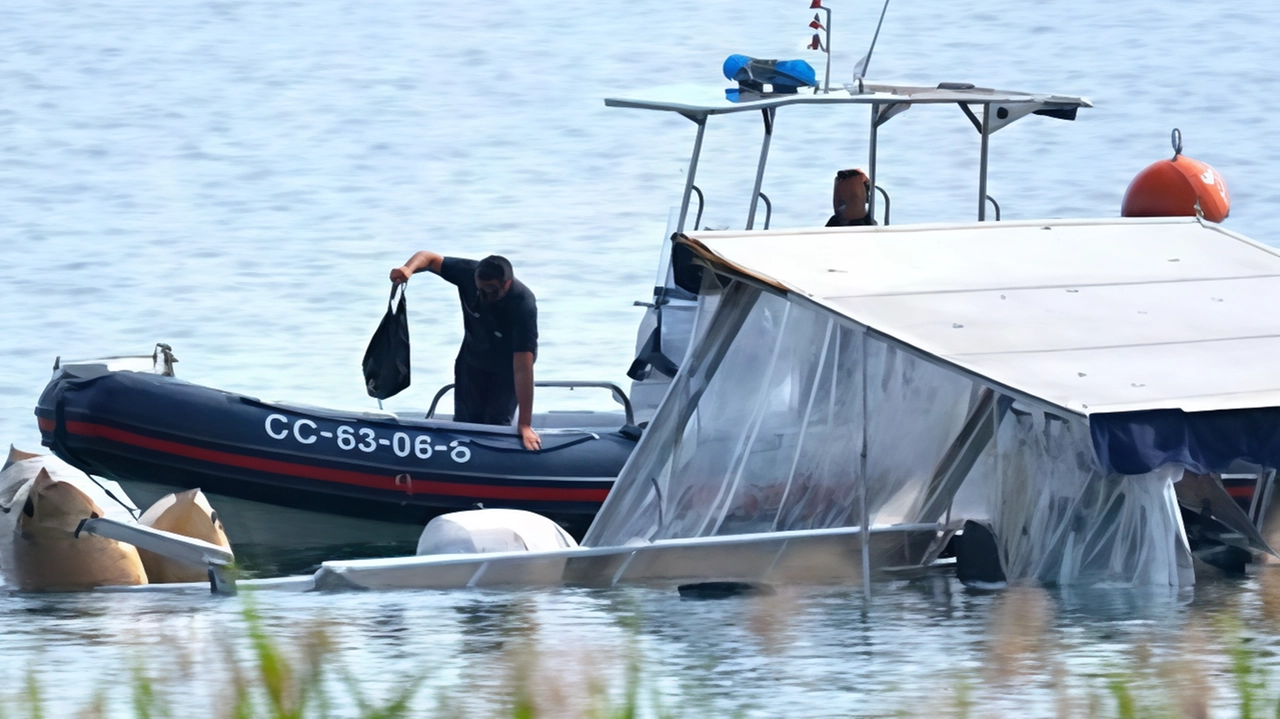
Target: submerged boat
(1072,402)
(321,481)
(1070,413)
(304,477)
(1049,397)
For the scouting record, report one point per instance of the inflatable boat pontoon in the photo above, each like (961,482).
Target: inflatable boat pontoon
(150,430)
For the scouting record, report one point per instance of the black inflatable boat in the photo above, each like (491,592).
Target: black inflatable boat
(151,431)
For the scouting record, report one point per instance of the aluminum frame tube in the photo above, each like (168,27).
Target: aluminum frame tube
(982,163)
(871,158)
(769,114)
(862,475)
(693,170)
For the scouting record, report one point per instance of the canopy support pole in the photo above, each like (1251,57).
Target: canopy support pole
(871,159)
(982,164)
(862,475)
(768,113)
(693,169)
(963,453)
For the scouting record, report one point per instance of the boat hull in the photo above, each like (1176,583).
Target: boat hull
(147,429)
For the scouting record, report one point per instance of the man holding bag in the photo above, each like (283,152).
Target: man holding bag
(493,374)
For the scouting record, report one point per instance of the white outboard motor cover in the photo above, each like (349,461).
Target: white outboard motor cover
(480,531)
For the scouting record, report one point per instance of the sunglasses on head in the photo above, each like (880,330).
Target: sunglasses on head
(846,174)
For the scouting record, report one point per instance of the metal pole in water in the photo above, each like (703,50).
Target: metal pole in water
(862,478)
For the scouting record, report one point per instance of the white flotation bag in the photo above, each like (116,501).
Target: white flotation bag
(481,531)
(189,514)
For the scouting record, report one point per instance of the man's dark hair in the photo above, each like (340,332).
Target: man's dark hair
(846,174)
(493,267)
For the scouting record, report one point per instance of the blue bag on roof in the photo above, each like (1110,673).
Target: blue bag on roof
(784,77)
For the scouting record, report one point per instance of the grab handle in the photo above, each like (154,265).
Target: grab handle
(618,395)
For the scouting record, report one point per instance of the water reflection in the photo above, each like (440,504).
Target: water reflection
(489,624)
(1126,603)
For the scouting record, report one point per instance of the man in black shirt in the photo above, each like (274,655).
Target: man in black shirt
(493,374)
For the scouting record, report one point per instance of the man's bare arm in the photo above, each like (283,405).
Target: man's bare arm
(522,364)
(420,261)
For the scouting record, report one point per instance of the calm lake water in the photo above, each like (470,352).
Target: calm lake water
(237,178)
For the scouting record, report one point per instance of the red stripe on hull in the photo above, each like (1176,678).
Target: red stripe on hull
(325,474)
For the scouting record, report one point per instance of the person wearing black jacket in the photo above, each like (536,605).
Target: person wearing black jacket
(493,374)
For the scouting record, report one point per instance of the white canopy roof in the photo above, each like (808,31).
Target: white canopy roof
(1090,316)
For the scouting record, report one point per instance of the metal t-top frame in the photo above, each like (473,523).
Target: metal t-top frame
(998,109)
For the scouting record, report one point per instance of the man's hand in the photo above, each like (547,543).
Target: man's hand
(400,274)
(530,438)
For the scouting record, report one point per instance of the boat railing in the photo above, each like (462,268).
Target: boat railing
(885,194)
(768,209)
(990,199)
(619,395)
(702,201)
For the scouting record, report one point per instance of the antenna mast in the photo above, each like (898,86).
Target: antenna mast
(860,70)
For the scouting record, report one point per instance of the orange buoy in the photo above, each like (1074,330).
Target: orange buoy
(1180,187)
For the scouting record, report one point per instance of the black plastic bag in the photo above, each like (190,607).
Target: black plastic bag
(386,361)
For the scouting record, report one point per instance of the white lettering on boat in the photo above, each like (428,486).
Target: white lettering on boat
(460,453)
(346,438)
(401,450)
(284,432)
(366,439)
(297,433)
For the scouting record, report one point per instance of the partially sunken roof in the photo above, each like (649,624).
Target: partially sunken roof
(1090,316)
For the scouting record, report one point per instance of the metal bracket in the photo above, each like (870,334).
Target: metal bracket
(177,547)
(888,111)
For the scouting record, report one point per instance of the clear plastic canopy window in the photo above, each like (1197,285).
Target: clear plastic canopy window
(1058,519)
(763,430)
(765,426)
